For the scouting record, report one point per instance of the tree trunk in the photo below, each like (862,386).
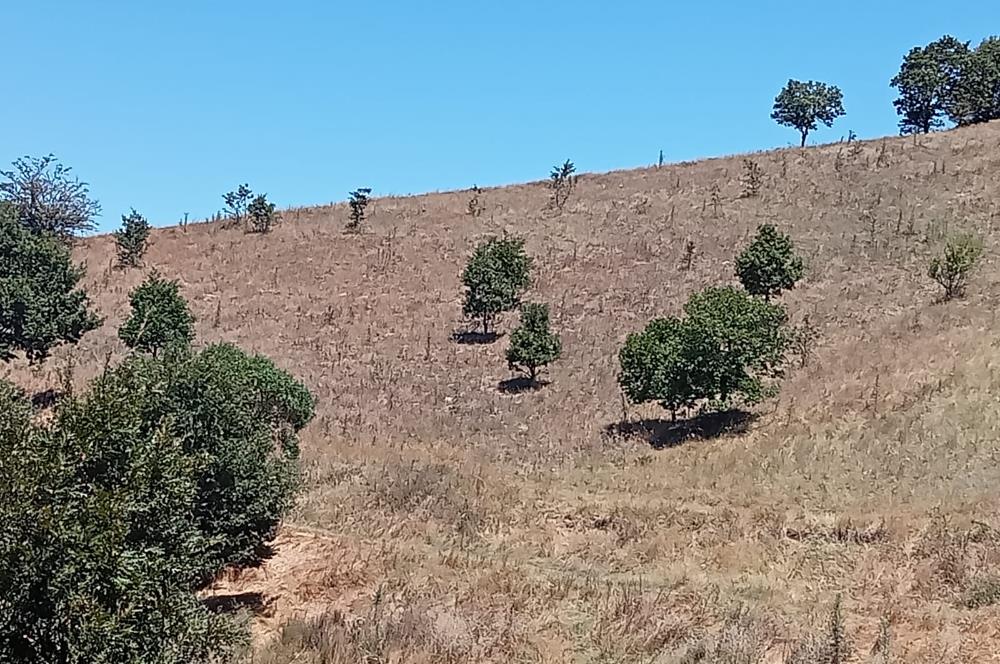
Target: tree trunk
(805,132)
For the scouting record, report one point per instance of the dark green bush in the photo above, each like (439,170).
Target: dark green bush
(533,345)
(131,239)
(160,317)
(769,265)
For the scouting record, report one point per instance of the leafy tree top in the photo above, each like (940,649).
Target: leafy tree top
(47,198)
(533,345)
(496,274)
(803,104)
(160,317)
(976,94)
(927,82)
(41,305)
(769,265)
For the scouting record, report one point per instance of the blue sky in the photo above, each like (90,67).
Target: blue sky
(166,105)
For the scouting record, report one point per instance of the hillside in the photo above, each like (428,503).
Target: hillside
(529,527)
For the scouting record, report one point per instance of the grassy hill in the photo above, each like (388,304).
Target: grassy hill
(445,520)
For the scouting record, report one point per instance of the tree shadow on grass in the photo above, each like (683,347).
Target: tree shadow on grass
(234,602)
(520,384)
(474,338)
(45,399)
(661,434)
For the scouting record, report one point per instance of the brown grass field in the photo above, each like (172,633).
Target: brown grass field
(446,521)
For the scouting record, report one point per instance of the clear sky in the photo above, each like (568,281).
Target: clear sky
(166,105)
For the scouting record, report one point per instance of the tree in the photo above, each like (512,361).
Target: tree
(160,317)
(41,306)
(496,274)
(359,199)
(532,345)
(131,239)
(132,497)
(802,105)
(976,96)
(769,265)
(727,349)
(927,81)
(237,203)
(952,268)
(261,214)
(561,182)
(47,199)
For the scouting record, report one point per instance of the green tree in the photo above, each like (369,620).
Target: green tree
(40,304)
(139,491)
(976,96)
(497,273)
(160,317)
(358,202)
(769,265)
(262,215)
(48,200)
(131,239)
(728,349)
(802,104)
(952,268)
(533,345)
(237,203)
(927,81)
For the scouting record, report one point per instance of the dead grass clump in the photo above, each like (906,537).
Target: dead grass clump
(743,639)
(634,624)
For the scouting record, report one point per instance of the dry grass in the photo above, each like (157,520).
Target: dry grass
(445,521)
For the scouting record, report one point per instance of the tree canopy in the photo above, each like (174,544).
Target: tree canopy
(803,104)
(497,273)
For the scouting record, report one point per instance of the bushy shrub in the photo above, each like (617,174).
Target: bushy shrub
(769,265)
(159,319)
(131,239)
(137,493)
(262,215)
(497,273)
(952,268)
(40,304)
(533,345)
(726,350)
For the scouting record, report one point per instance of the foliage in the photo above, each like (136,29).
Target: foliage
(726,349)
(561,182)
(533,345)
(47,199)
(496,274)
(237,204)
(769,265)
(359,199)
(976,96)
(131,239)
(802,104)
(927,82)
(137,493)
(40,304)
(952,268)
(160,317)
(261,214)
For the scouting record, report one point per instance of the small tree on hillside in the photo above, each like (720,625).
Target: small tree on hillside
(47,198)
(561,182)
(261,214)
(802,104)
(496,274)
(160,317)
(40,304)
(237,203)
(131,239)
(952,268)
(359,199)
(769,265)
(927,81)
(532,345)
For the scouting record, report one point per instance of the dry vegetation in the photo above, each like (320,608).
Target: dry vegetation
(446,521)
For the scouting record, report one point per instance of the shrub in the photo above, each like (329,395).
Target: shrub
(769,265)
(137,493)
(359,199)
(727,350)
(802,104)
(561,182)
(533,345)
(160,317)
(40,304)
(131,239)
(261,214)
(237,204)
(496,274)
(952,268)
(47,199)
